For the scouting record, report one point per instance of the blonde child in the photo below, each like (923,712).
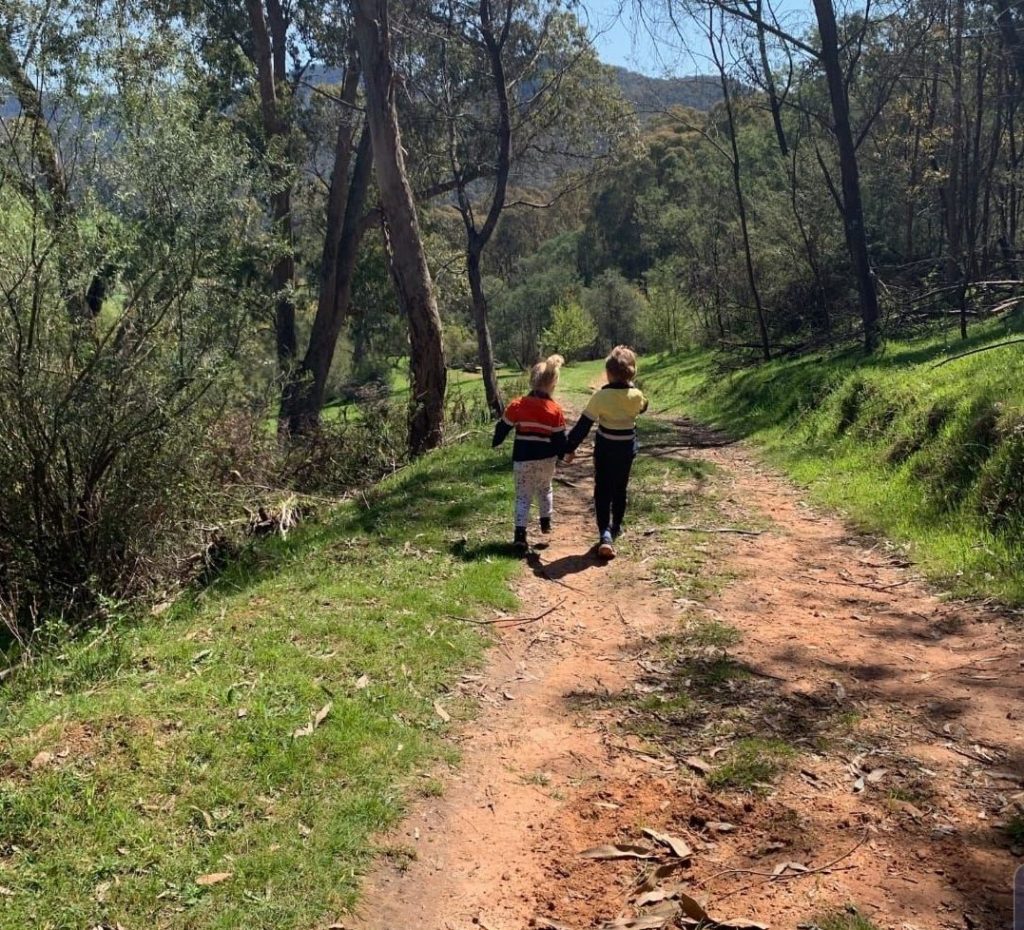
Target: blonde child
(614,409)
(539,424)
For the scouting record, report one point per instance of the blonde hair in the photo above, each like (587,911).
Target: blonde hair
(544,375)
(621,364)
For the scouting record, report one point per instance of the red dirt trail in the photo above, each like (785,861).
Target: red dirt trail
(902,711)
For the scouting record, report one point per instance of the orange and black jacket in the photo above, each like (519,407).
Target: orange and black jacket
(539,424)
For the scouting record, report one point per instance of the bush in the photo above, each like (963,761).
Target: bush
(109,454)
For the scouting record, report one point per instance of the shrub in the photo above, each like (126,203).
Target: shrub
(108,453)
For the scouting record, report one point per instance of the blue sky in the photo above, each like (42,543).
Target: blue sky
(622,39)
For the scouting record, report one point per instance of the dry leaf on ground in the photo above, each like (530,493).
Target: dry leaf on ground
(678,845)
(618,851)
(214,878)
(320,717)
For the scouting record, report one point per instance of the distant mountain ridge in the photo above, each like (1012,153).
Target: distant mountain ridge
(653,95)
(650,95)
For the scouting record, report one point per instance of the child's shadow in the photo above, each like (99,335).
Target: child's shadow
(567,565)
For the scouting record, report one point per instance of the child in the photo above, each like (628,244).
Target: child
(540,439)
(614,408)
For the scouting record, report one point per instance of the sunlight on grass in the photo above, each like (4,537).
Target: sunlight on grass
(931,456)
(181,747)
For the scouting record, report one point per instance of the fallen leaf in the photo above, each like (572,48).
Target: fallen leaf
(653,897)
(738,923)
(717,826)
(858,785)
(783,867)
(618,851)
(698,764)
(637,923)
(679,846)
(320,717)
(691,907)
(840,694)
(876,775)
(101,891)
(43,758)
(242,712)
(442,713)
(203,654)
(6,892)
(214,878)
(650,881)
(362,681)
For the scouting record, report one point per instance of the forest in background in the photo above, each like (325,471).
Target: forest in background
(218,218)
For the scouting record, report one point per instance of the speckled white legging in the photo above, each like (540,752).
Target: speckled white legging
(533,480)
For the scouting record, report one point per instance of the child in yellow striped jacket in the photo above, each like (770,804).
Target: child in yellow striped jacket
(614,409)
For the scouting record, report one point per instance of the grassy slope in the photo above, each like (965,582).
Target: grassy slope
(171,747)
(932,457)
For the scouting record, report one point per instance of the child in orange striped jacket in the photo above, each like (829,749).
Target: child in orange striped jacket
(539,425)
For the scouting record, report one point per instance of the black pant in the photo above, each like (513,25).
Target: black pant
(613,460)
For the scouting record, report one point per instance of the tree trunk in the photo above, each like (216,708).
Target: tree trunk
(1010,35)
(762,325)
(305,390)
(341,253)
(769,80)
(269,59)
(408,259)
(477,238)
(485,350)
(853,209)
(59,212)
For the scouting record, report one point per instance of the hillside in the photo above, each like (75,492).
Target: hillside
(653,95)
(929,454)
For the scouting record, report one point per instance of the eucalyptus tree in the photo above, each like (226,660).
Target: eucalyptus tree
(409,268)
(523,101)
(824,50)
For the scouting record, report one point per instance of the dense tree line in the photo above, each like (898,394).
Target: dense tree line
(216,214)
(863,174)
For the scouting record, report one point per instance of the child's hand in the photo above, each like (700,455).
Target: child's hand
(569,458)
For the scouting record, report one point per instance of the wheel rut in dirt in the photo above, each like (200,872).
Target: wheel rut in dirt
(824,732)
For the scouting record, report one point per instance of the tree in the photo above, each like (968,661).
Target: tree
(408,259)
(827,55)
(572,332)
(615,306)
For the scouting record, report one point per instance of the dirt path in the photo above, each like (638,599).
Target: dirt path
(795,697)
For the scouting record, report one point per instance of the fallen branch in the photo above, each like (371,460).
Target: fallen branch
(783,876)
(688,528)
(997,345)
(511,621)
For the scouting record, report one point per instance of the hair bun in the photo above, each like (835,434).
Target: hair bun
(555,361)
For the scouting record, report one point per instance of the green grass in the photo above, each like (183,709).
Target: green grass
(464,387)
(931,457)
(751,764)
(170,743)
(1014,829)
(847,919)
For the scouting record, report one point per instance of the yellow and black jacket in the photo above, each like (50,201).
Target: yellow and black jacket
(614,409)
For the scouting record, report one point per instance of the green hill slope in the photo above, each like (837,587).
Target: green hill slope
(931,456)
